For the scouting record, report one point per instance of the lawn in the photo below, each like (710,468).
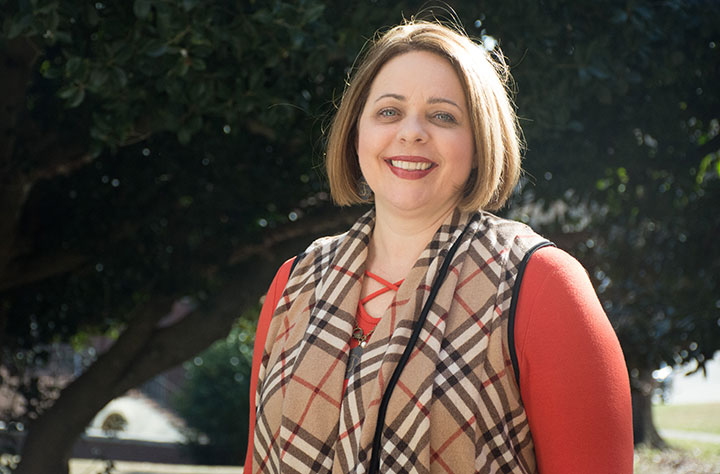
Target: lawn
(674,461)
(684,457)
(703,417)
(702,451)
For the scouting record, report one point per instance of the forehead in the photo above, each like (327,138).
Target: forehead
(420,73)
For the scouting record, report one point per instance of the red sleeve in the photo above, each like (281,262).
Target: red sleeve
(573,378)
(271,299)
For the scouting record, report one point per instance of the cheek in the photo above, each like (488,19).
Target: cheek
(361,135)
(358,131)
(369,140)
(465,165)
(362,142)
(465,151)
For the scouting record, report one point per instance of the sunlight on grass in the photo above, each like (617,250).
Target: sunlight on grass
(674,461)
(703,417)
(684,456)
(703,451)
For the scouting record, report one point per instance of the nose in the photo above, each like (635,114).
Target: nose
(412,130)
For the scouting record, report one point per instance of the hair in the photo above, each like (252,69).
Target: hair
(485,80)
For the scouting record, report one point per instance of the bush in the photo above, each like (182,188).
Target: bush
(215,400)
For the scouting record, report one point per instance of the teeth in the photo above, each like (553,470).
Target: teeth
(411,165)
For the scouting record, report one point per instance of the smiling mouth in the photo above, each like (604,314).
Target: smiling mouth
(411,165)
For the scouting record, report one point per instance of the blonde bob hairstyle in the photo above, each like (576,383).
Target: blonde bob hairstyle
(492,116)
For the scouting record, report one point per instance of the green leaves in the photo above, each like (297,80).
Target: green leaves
(72,66)
(98,78)
(134,61)
(73,95)
(706,167)
(156,48)
(14,27)
(188,129)
(142,9)
(222,374)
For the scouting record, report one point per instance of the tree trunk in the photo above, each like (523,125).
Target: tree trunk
(148,347)
(18,57)
(49,442)
(644,431)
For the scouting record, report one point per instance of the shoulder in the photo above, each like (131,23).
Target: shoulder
(557,302)
(552,270)
(507,241)
(316,257)
(282,275)
(505,230)
(324,244)
(557,262)
(488,221)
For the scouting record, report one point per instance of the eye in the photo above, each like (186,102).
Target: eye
(388,113)
(445,117)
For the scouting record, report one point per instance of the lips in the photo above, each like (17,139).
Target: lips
(410,167)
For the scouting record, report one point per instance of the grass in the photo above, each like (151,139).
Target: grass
(684,456)
(703,451)
(674,461)
(703,417)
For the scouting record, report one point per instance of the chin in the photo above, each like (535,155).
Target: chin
(410,204)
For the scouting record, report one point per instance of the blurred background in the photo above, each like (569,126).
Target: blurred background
(160,159)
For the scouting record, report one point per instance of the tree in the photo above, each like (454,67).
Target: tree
(130,121)
(642,124)
(157,150)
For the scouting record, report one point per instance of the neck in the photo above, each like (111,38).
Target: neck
(398,239)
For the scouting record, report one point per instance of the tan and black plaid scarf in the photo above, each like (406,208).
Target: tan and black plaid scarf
(456,407)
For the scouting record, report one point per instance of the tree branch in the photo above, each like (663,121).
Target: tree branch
(147,347)
(13,194)
(23,271)
(17,60)
(324,221)
(61,164)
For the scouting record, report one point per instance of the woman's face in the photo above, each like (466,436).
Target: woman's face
(415,144)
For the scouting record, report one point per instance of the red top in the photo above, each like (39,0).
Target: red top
(573,379)
(364,321)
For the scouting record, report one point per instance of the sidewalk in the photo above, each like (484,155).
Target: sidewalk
(88,466)
(691,436)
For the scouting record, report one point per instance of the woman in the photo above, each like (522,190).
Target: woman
(408,343)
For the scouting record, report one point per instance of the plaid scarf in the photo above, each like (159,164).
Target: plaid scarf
(456,407)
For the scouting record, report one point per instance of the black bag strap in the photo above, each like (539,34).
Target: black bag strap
(295,262)
(382,410)
(513,305)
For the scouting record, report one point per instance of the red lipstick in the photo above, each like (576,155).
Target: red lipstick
(410,167)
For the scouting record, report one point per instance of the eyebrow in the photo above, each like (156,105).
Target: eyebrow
(432,100)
